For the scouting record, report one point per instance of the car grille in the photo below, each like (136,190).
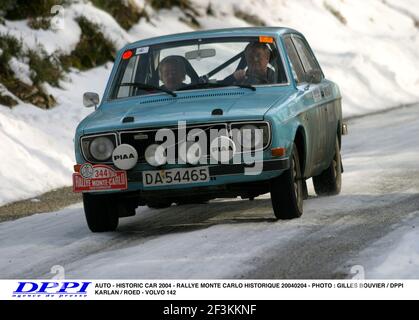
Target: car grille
(141,139)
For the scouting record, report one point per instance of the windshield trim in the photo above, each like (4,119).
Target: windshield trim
(278,44)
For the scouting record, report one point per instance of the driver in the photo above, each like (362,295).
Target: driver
(172,72)
(257,56)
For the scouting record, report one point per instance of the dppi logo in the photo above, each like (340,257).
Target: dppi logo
(60,289)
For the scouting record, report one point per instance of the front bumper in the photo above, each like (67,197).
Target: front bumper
(221,174)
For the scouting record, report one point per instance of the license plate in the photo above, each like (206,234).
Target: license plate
(99,178)
(175,176)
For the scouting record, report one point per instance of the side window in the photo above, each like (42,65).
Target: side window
(307,58)
(296,66)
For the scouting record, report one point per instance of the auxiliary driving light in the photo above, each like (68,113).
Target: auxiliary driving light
(192,151)
(155,155)
(222,149)
(252,137)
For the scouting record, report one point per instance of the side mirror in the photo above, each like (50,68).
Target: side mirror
(313,76)
(344,129)
(90,99)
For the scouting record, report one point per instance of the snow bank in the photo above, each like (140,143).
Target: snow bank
(372,55)
(37,146)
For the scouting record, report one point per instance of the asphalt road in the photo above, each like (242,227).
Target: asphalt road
(235,238)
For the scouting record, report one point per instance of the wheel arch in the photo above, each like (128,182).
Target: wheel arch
(300,142)
(339,133)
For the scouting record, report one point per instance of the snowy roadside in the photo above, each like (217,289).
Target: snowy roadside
(37,148)
(50,201)
(387,162)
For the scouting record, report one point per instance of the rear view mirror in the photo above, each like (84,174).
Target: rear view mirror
(313,76)
(200,54)
(90,99)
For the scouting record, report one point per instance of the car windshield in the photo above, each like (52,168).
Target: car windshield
(247,62)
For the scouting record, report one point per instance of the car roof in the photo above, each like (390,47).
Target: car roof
(214,33)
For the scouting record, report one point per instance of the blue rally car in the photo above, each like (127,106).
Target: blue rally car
(190,117)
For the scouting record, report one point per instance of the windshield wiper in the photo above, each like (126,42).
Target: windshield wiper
(216,85)
(147,87)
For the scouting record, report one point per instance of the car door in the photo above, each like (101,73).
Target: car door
(312,116)
(327,103)
(309,62)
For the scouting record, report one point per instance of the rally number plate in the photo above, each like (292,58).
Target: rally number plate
(99,178)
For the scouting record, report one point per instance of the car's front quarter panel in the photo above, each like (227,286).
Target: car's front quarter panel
(283,130)
(288,118)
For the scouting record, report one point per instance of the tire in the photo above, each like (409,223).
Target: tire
(101,212)
(287,190)
(329,182)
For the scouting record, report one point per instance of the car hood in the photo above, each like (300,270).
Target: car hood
(163,110)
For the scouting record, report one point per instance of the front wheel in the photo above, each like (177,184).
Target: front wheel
(287,190)
(101,212)
(329,182)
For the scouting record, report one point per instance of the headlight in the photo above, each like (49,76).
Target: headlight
(98,148)
(251,136)
(101,148)
(155,155)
